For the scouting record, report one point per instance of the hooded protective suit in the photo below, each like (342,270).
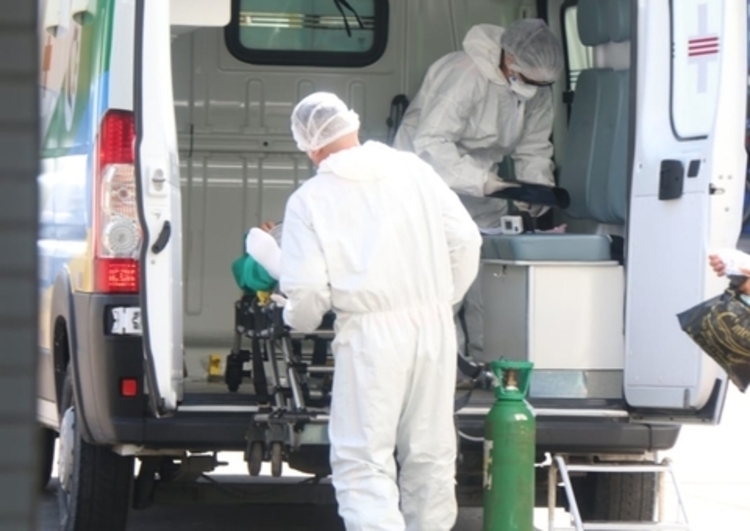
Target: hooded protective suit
(467,117)
(379,238)
(464,120)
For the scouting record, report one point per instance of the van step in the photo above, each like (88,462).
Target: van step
(558,465)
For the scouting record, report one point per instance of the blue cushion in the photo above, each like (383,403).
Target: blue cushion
(602,21)
(596,177)
(593,27)
(618,15)
(547,248)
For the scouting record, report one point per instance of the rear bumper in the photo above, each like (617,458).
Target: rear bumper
(588,435)
(100,361)
(227,431)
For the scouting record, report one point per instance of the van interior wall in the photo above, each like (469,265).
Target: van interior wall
(238,161)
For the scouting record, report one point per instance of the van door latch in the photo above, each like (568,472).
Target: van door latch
(163,239)
(158,180)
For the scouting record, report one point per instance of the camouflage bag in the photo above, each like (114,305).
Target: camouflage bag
(721,327)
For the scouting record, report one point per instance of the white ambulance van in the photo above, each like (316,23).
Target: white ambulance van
(166,136)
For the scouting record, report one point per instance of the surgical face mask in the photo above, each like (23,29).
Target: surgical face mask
(522,90)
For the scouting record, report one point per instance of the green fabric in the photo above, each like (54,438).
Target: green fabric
(250,275)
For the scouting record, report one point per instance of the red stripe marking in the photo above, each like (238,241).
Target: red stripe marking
(706,52)
(704,39)
(701,46)
(698,50)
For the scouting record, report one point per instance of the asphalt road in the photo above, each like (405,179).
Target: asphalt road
(188,517)
(213,517)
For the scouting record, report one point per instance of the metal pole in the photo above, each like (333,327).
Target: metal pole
(552,494)
(569,493)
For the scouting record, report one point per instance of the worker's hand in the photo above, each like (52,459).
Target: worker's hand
(719,267)
(495,184)
(717,264)
(267,226)
(534,211)
(279,299)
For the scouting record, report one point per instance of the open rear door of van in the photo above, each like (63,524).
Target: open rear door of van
(686,196)
(159,206)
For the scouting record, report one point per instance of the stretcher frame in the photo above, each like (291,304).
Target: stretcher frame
(292,382)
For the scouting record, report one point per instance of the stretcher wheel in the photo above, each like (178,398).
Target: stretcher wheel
(276,459)
(255,458)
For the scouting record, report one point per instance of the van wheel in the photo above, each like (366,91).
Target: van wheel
(94,483)
(46,446)
(617,497)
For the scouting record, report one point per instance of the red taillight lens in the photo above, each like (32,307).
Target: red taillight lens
(116,276)
(117,138)
(117,233)
(128,387)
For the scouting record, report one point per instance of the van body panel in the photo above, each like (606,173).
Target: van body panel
(688,142)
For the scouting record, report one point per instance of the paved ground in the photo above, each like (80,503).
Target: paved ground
(712,464)
(713,467)
(234,518)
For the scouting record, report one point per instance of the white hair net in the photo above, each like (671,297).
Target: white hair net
(536,51)
(321,119)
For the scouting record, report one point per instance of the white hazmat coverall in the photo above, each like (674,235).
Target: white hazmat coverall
(379,238)
(464,120)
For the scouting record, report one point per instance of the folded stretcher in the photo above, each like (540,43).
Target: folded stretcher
(291,374)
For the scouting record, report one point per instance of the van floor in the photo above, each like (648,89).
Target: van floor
(200,389)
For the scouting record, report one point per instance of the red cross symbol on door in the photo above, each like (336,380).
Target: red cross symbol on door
(703,48)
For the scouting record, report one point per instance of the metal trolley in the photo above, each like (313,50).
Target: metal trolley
(292,377)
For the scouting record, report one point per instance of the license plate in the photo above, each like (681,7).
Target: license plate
(126,321)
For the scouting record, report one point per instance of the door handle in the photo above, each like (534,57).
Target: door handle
(671,180)
(163,238)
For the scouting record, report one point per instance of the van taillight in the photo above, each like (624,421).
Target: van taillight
(117,276)
(117,232)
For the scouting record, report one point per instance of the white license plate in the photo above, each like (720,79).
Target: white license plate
(126,321)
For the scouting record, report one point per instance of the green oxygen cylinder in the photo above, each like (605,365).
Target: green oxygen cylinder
(509,451)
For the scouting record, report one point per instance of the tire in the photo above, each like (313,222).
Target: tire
(617,497)
(46,446)
(277,459)
(95,484)
(255,459)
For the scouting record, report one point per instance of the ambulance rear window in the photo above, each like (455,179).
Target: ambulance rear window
(336,33)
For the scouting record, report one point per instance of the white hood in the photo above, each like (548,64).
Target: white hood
(482,44)
(364,163)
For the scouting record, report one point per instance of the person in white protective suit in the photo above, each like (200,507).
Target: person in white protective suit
(379,238)
(476,107)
